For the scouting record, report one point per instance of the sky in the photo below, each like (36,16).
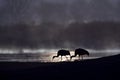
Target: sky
(59,11)
(53,23)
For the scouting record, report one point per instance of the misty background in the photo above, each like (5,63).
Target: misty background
(91,24)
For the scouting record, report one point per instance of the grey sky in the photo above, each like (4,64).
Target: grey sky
(60,11)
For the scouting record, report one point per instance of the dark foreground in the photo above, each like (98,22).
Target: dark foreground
(96,69)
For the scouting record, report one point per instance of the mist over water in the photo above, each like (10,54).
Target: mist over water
(40,43)
(34,30)
(45,55)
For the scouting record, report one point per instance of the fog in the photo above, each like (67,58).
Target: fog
(92,35)
(59,24)
(33,12)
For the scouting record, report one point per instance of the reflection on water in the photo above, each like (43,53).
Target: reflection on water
(45,55)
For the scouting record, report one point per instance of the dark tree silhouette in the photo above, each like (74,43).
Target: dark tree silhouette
(80,52)
(62,53)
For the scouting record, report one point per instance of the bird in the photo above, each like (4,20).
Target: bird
(80,52)
(61,53)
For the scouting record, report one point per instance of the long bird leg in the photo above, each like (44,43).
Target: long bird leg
(82,57)
(79,57)
(66,57)
(61,58)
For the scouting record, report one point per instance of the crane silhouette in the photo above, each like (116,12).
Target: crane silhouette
(80,52)
(62,53)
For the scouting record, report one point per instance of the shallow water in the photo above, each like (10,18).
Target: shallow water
(42,55)
(35,57)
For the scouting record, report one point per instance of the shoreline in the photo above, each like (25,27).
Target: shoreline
(96,69)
